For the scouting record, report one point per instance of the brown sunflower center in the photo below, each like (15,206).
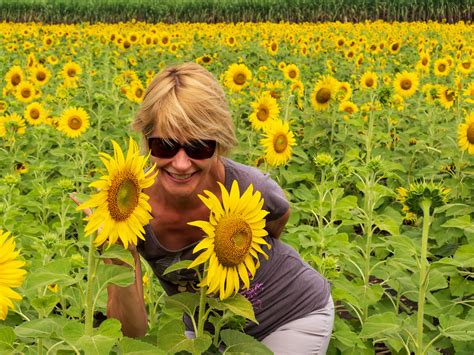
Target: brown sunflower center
(40,76)
(122,197)
(233,240)
(292,74)
(206,59)
(424,61)
(449,95)
(349,109)
(274,46)
(406,84)
(441,67)
(71,72)
(138,92)
(395,46)
(165,40)
(26,93)
(263,114)
(369,82)
(16,79)
(470,133)
(280,142)
(74,122)
(466,65)
(34,113)
(239,79)
(323,95)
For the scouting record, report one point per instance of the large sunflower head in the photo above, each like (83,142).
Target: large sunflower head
(25,92)
(406,84)
(40,75)
(291,72)
(446,96)
(441,67)
(14,76)
(466,134)
(278,142)
(11,273)
(74,122)
(71,71)
(135,92)
(368,80)
(121,208)
(324,92)
(234,238)
(265,110)
(237,77)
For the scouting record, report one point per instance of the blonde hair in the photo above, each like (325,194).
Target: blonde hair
(186,102)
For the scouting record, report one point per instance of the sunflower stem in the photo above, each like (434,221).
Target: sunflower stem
(423,282)
(202,305)
(89,309)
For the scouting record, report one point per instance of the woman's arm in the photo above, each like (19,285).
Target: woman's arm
(275,228)
(126,304)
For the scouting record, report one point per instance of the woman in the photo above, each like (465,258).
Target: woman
(186,123)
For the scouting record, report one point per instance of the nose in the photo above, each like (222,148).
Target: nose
(181,161)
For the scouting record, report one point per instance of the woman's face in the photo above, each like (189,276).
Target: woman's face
(182,176)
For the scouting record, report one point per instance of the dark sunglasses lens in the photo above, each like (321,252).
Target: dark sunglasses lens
(162,148)
(200,149)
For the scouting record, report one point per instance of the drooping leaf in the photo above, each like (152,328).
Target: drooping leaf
(237,343)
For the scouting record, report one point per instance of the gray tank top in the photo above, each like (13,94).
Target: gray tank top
(284,288)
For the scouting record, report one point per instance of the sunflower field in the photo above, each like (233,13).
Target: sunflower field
(368,127)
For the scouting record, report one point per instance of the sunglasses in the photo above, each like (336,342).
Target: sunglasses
(168,148)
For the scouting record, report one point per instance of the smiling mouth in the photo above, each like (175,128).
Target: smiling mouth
(181,177)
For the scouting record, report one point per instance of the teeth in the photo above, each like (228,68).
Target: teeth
(181,176)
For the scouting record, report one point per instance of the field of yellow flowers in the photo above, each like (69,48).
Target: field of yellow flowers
(368,127)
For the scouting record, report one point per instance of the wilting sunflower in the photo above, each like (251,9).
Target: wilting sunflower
(291,72)
(11,273)
(446,96)
(441,67)
(466,134)
(278,141)
(35,113)
(234,236)
(265,110)
(237,77)
(406,84)
(122,209)
(74,122)
(14,76)
(412,197)
(368,80)
(324,92)
(25,92)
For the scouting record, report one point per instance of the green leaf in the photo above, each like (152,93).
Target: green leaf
(345,335)
(40,328)
(238,305)
(463,222)
(7,337)
(379,324)
(177,266)
(57,272)
(387,223)
(185,301)
(45,304)
(456,328)
(131,346)
(171,339)
(116,251)
(104,338)
(465,256)
(238,343)
(115,274)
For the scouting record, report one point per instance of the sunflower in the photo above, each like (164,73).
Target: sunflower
(11,273)
(344,92)
(412,197)
(14,76)
(324,92)
(446,96)
(395,47)
(71,71)
(135,92)
(122,209)
(13,124)
(466,134)
(237,77)
(406,84)
(368,80)
(26,92)
(465,66)
(265,110)
(441,67)
(291,72)
(234,237)
(273,47)
(205,59)
(35,114)
(348,107)
(278,141)
(40,75)
(3,106)
(468,92)
(74,122)
(423,64)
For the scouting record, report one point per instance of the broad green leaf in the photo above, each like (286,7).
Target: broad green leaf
(345,335)
(115,274)
(387,223)
(171,339)
(379,324)
(45,304)
(238,343)
(177,266)
(110,327)
(41,328)
(185,301)
(129,346)
(465,256)
(462,222)
(7,337)
(73,331)
(57,272)
(238,305)
(456,328)
(116,251)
